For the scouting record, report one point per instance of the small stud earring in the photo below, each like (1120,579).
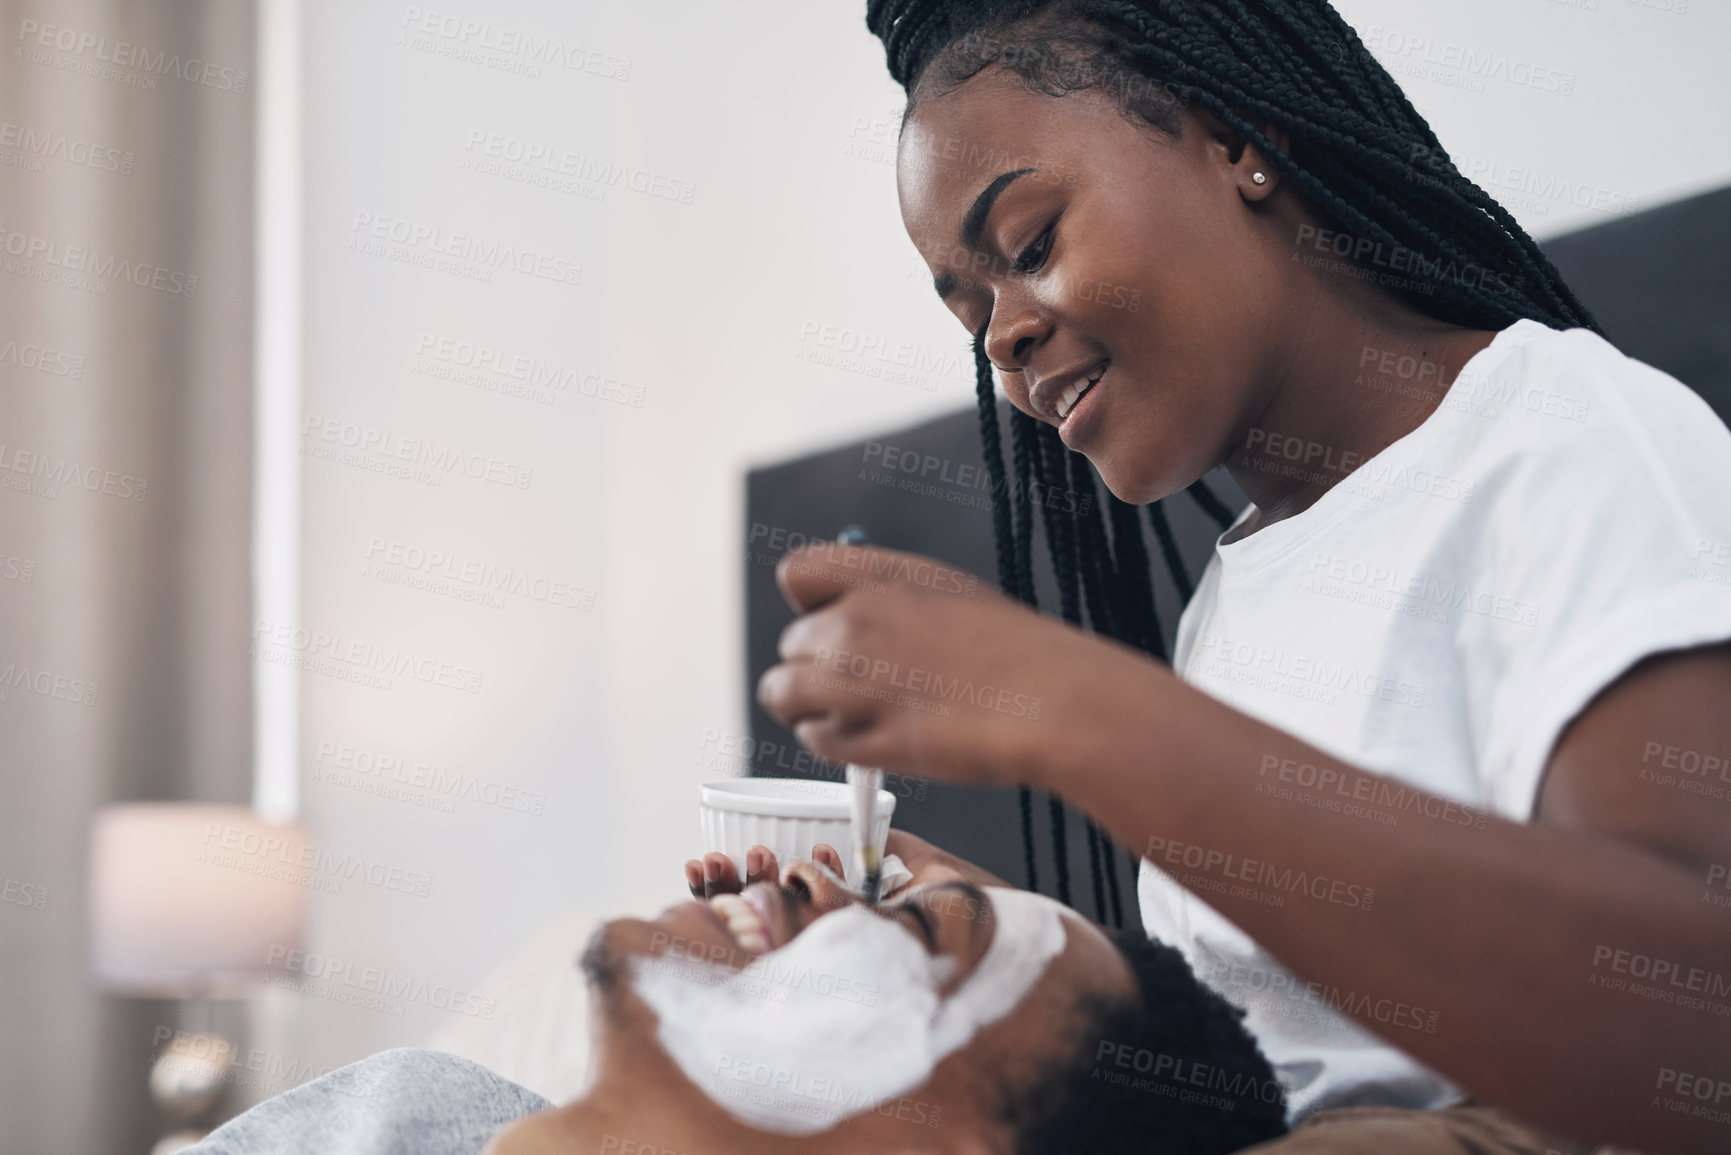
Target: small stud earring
(1258,178)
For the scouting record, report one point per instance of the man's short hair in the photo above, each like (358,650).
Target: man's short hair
(1170,1069)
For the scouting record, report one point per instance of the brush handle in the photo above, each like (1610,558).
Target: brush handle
(864,784)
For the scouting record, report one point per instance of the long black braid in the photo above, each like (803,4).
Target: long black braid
(1359,152)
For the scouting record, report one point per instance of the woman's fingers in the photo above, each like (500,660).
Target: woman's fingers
(715,873)
(760,866)
(825,855)
(719,876)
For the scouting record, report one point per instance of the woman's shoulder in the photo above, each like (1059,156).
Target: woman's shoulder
(1564,415)
(1577,385)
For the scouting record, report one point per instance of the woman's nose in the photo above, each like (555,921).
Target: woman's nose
(826,891)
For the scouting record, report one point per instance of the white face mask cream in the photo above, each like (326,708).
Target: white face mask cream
(844,1017)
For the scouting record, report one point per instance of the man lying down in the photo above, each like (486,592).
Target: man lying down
(791,1016)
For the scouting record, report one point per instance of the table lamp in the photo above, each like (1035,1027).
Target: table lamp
(191,901)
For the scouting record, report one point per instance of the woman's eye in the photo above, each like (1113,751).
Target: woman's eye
(1035,254)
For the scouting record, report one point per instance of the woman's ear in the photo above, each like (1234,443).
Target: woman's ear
(1245,159)
(1282,140)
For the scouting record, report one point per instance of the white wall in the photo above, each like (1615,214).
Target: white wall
(1570,112)
(779,114)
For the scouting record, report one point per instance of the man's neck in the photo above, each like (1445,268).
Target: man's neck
(659,1110)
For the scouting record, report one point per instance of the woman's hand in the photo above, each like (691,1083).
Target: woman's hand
(906,664)
(715,873)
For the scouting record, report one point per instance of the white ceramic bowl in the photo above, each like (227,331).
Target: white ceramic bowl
(788,815)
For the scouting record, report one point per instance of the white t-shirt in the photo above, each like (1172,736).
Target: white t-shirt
(1438,616)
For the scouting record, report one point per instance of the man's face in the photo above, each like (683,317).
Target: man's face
(946,918)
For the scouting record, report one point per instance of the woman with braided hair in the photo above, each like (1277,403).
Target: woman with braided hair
(1438,782)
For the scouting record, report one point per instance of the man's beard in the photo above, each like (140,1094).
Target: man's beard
(602,967)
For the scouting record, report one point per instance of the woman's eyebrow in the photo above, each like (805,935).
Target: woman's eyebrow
(974,224)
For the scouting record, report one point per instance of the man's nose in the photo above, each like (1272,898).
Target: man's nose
(826,891)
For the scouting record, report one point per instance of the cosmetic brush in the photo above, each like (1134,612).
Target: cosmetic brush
(863,786)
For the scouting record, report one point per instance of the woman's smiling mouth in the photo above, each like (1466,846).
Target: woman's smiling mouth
(1077,407)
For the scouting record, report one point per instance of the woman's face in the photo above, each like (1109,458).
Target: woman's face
(1156,257)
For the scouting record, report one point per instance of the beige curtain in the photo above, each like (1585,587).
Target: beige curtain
(125,447)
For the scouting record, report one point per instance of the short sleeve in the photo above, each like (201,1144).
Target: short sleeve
(1608,540)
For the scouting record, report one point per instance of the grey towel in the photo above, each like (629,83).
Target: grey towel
(405,1101)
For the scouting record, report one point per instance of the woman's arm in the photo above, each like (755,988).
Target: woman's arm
(1580,971)
(1506,930)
